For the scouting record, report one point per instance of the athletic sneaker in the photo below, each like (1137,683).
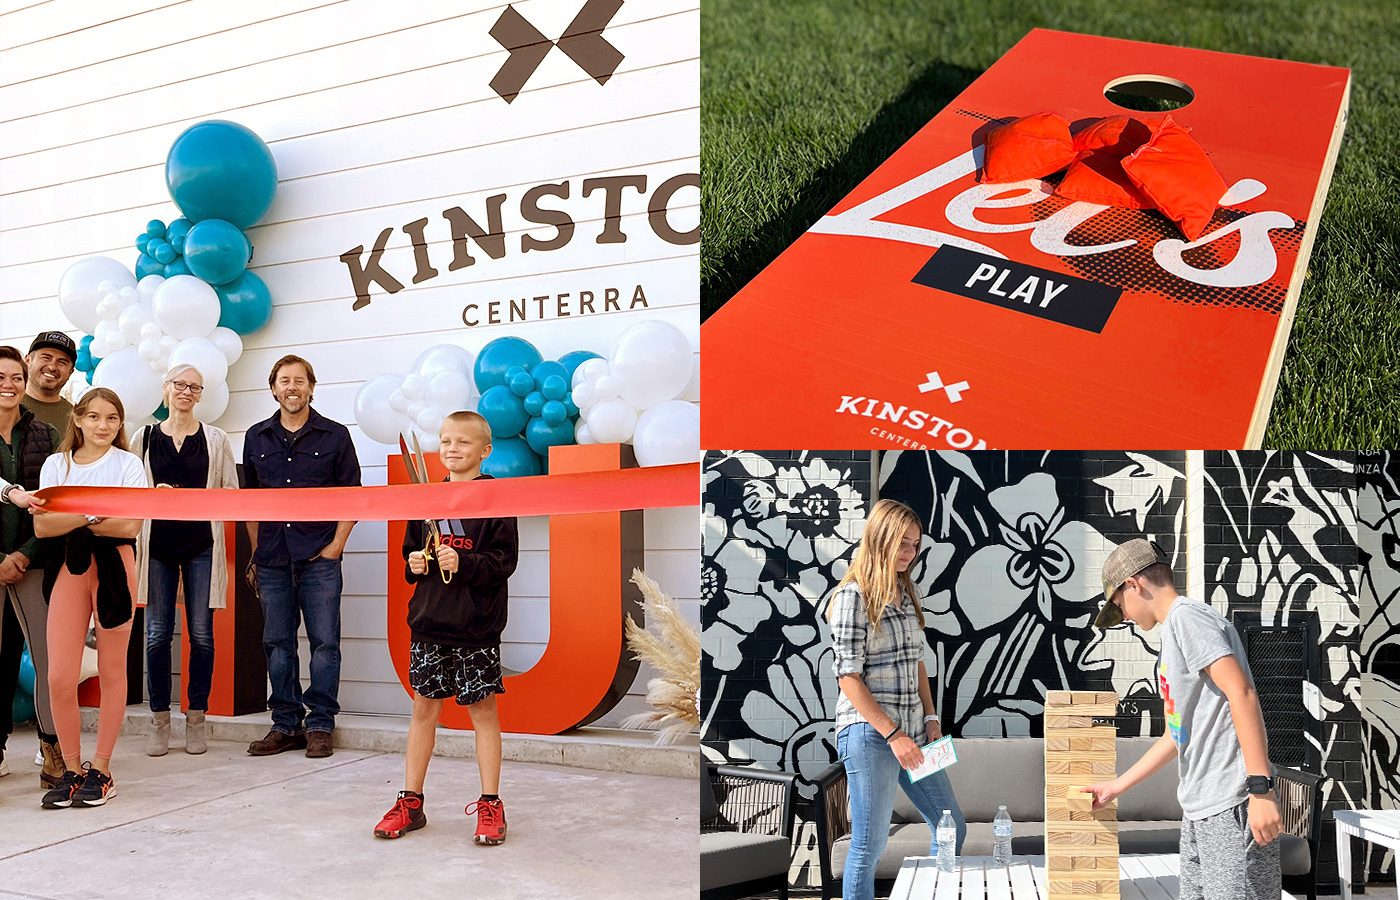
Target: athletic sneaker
(61,797)
(97,788)
(490,821)
(4,766)
(407,815)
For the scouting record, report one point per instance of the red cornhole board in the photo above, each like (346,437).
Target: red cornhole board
(926,310)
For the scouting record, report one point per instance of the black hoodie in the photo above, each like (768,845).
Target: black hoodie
(470,611)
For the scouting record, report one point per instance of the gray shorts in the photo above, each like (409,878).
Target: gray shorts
(1221,861)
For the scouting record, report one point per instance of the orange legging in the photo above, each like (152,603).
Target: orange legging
(72,603)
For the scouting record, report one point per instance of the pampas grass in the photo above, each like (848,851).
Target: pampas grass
(671,646)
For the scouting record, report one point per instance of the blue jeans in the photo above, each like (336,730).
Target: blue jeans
(161,583)
(872,773)
(306,589)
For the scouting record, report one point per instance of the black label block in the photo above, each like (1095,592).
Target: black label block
(1017,286)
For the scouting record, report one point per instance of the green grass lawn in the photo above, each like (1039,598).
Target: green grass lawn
(801,99)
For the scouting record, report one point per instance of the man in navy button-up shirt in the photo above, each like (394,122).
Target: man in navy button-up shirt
(296,565)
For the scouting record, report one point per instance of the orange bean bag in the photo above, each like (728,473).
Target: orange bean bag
(1028,147)
(1115,135)
(1098,177)
(1173,172)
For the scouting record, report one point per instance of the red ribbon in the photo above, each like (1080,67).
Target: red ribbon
(539,495)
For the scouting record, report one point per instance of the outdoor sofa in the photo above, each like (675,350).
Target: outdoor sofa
(991,772)
(746,819)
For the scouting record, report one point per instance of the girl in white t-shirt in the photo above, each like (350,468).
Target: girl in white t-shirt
(90,569)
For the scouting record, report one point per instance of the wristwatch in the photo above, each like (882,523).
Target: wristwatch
(93,520)
(5,493)
(1259,784)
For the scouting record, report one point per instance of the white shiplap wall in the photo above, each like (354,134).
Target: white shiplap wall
(378,114)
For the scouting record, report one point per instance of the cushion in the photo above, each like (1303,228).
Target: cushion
(1295,857)
(1153,800)
(1098,177)
(727,857)
(1116,135)
(1175,174)
(980,783)
(709,808)
(1028,147)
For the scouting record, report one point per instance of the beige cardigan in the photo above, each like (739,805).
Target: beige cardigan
(223,473)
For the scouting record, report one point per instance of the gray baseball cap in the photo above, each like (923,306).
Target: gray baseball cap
(1123,563)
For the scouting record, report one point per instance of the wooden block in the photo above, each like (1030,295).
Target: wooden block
(1105,697)
(1054,835)
(1058,698)
(1096,710)
(1068,722)
(1079,733)
(1090,826)
(1080,802)
(1081,697)
(1056,745)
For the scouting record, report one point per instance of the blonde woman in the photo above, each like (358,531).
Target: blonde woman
(885,710)
(182,452)
(90,568)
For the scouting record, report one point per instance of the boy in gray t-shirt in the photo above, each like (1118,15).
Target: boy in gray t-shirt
(1215,728)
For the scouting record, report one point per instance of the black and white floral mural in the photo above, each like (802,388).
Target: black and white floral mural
(1378,537)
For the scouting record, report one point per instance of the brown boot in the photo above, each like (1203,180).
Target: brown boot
(196,732)
(52,773)
(318,744)
(158,738)
(276,742)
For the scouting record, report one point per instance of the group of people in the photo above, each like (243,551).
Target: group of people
(67,575)
(1215,728)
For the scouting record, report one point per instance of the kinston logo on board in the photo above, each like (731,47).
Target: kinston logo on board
(1012,285)
(367,269)
(927,424)
(582,41)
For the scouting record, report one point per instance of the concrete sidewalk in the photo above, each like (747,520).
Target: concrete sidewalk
(225,824)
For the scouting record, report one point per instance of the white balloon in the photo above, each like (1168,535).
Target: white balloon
(609,387)
(108,286)
(105,345)
(593,369)
(653,361)
(583,434)
(668,433)
(149,350)
(612,421)
(443,358)
(146,288)
(397,401)
(430,420)
(133,321)
(158,366)
(213,403)
(415,387)
(379,421)
(168,342)
(204,355)
(151,332)
(108,308)
(415,408)
(584,395)
(131,377)
(227,340)
(428,440)
(692,390)
(186,307)
(449,390)
(129,295)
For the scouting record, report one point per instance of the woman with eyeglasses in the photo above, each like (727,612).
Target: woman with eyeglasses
(182,452)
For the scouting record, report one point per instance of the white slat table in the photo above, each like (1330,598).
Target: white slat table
(1379,826)
(1148,877)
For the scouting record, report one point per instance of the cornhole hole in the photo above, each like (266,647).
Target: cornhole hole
(929,311)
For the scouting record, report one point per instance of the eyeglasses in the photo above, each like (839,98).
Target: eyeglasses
(182,386)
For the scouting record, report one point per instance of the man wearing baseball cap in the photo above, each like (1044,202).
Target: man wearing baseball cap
(50,359)
(1215,729)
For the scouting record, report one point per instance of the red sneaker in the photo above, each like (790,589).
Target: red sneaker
(407,815)
(490,821)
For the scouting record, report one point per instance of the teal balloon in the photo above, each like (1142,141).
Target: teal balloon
(22,710)
(163,252)
(244,303)
(571,406)
(541,435)
(503,411)
(216,251)
(575,358)
(26,672)
(178,267)
(162,413)
(534,403)
(155,228)
(221,170)
(177,229)
(148,265)
(179,244)
(554,412)
(521,384)
(555,387)
(511,458)
(546,369)
(143,240)
(499,356)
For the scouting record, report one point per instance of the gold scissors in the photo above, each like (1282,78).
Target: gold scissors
(418,474)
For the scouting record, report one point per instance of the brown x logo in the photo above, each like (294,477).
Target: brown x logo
(582,42)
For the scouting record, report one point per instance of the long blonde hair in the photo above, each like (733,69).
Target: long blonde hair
(873,567)
(73,436)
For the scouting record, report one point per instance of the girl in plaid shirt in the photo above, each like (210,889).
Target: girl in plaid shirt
(877,629)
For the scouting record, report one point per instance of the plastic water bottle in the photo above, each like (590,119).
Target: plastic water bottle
(947,842)
(1001,830)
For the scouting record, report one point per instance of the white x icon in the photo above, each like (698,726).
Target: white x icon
(954,391)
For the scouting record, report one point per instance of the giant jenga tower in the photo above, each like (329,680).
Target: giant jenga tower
(1081,843)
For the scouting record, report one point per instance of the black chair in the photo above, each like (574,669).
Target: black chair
(746,822)
(1300,802)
